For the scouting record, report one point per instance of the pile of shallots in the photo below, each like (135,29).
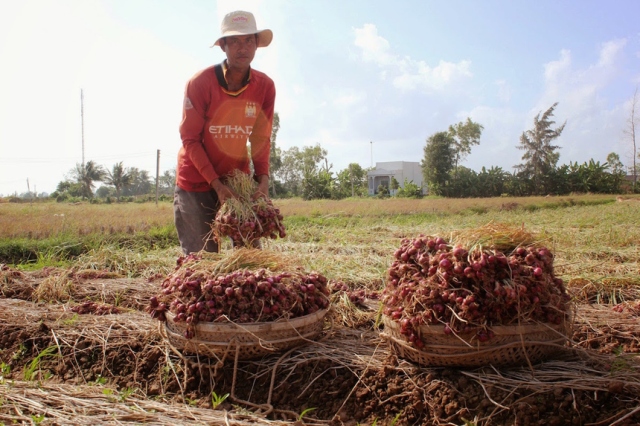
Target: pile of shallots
(195,295)
(469,290)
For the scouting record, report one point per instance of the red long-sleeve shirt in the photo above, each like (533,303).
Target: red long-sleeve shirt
(216,125)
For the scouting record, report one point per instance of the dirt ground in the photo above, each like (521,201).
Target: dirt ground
(86,352)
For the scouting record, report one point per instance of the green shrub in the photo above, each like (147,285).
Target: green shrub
(383,192)
(409,190)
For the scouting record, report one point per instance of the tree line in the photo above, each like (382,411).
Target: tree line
(306,172)
(296,172)
(119,182)
(538,174)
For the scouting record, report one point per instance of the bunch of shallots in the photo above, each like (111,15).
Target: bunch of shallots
(245,220)
(471,289)
(244,296)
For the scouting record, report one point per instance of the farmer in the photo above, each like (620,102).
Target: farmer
(224,106)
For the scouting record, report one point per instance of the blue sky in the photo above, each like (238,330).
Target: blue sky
(369,81)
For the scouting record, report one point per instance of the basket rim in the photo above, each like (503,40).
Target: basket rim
(498,330)
(233,343)
(471,351)
(254,327)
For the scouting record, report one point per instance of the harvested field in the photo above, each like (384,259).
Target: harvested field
(78,348)
(117,368)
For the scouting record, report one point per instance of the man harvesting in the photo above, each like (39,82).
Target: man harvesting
(224,106)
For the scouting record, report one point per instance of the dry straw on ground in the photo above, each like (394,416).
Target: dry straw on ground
(88,405)
(349,350)
(494,236)
(212,264)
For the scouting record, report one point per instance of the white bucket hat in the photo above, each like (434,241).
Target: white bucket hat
(243,23)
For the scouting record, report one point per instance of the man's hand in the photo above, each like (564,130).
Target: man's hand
(263,188)
(223,191)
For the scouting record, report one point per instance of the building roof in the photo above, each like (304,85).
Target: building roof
(379,172)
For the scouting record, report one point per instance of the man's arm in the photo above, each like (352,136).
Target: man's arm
(192,130)
(260,137)
(263,187)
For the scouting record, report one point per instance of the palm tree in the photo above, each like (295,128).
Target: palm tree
(167,181)
(140,182)
(540,156)
(86,174)
(119,178)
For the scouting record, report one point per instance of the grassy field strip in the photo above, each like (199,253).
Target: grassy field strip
(594,238)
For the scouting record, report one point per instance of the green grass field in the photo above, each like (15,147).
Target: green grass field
(594,237)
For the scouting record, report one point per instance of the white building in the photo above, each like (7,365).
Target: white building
(400,170)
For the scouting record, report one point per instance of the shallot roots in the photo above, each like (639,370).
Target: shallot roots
(244,219)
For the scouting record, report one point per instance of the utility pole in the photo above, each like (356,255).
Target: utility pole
(82,123)
(353,194)
(29,192)
(371,154)
(157,175)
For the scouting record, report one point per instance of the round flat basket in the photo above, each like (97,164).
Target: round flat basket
(250,340)
(510,345)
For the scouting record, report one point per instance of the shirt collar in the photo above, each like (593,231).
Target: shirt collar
(225,68)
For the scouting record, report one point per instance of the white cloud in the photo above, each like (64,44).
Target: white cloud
(419,75)
(555,70)
(409,74)
(374,48)
(594,124)
(610,51)
(561,79)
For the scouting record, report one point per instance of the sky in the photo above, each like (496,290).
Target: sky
(368,80)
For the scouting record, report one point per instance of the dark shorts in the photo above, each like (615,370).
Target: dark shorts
(193,214)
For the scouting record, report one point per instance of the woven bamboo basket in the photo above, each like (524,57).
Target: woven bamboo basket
(250,340)
(510,346)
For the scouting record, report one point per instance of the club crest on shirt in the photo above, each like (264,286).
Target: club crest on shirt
(250,109)
(187,103)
